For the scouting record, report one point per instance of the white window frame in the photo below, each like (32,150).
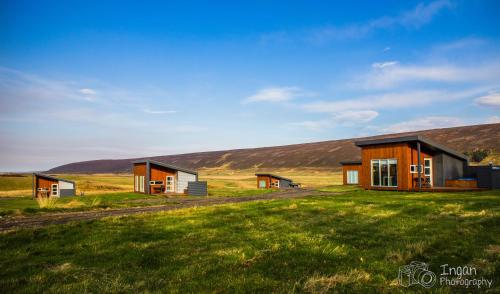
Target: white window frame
(156,182)
(430,175)
(380,172)
(349,174)
(413,169)
(170,188)
(52,190)
(141,184)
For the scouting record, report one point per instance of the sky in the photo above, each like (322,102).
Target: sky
(84,80)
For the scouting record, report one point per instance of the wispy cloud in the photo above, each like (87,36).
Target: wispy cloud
(158,111)
(392,74)
(431,122)
(492,99)
(411,19)
(345,118)
(277,94)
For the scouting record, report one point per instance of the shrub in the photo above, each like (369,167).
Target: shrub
(46,202)
(477,155)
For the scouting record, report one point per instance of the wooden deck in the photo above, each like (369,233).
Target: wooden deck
(448,189)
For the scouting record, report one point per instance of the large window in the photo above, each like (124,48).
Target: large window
(262,184)
(384,172)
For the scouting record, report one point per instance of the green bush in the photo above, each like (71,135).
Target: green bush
(477,155)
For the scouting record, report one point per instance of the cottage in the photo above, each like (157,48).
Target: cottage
(49,186)
(407,163)
(153,177)
(270,181)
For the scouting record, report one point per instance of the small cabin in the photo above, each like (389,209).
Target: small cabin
(49,186)
(351,171)
(271,181)
(153,177)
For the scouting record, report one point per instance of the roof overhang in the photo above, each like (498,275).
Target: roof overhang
(166,165)
(409,139)
(352,162)
(273,175)
(52,178)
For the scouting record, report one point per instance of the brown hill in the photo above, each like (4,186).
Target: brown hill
(325,154)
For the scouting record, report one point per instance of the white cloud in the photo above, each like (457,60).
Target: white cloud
(387,49)
(358,116)
(391,100)
(87,91)
(392,74)
(276,94)
(423,123)
(492,99)
(384,64)
(317,125)
(156,111)
(415,18)
(495,119)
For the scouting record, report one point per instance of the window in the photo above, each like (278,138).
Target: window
(427,166)
(352,177)
(136,183)
(156,182)
(413,169)
(385,172)
(54,189)
(262,184)
(141,184)
(170,184)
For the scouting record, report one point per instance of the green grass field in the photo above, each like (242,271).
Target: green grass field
(348,242)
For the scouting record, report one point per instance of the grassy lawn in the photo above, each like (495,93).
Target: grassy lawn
(355,241)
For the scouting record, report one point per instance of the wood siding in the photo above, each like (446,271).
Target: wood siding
(347,167)
(43,183)
(398,151)
(139,170)
(160,173)
(269,180)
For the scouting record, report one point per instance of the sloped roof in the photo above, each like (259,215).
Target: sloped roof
(52,178)
(170,166)
(274,176)
(416,138)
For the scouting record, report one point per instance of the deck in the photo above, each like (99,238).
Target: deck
(448,189)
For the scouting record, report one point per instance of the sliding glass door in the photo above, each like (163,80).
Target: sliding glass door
(384,172)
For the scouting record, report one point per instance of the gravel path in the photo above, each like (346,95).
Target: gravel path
(11,223)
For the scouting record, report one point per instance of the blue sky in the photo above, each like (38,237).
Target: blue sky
(92,80)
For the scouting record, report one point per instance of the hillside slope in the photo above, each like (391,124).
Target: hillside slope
(325,154)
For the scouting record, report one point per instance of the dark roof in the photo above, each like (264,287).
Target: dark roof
(52,178)
(350,162)
(274,176)
(416,138)
(170,166)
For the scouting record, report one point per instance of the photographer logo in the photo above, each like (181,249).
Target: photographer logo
(416,273)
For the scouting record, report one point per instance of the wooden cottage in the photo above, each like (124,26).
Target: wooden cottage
(49,186)
(407,163)
(153,177)
(270,181)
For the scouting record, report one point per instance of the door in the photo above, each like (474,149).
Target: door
(170,184)
(428,170)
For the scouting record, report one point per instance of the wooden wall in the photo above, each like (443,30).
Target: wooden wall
(160,173)
(268,180)
(139,170)
(43,183)
(346,167)
(398,151)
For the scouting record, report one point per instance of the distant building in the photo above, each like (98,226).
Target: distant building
(271,181)
(49,186)
(153,177)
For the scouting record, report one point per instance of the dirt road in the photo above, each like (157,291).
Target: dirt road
(12,223)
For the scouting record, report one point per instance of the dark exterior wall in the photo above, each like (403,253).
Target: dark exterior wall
(66,192)
(198,188)
(285,184)
(487,176)
(347,167)
(453,168)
